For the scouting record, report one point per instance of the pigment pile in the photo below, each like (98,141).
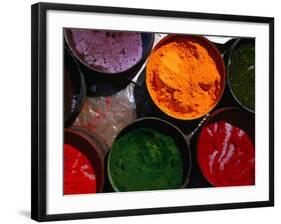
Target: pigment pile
(226,155)
(108,52)
(184,78)
(79,175)
(145,159)
(242,74)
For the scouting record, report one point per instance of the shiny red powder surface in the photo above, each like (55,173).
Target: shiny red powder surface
(226,155)
(79,175)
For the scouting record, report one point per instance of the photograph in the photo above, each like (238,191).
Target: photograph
(151,111)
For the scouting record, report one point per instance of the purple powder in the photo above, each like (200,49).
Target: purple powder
(109,52)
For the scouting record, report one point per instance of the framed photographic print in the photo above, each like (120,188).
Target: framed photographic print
(139,111)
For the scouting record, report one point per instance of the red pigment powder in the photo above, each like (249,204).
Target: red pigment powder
(79,175)
(226,155)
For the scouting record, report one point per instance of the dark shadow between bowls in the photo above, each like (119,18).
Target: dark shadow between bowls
(102,88)
(74,89)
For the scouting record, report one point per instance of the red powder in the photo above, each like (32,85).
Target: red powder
(226,155)
(79,175)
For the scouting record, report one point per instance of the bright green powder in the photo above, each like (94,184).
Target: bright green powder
(242,75)
(145,159)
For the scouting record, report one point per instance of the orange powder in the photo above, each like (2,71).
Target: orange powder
(183,77)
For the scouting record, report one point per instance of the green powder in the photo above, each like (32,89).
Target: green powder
(145,159)
(242,75)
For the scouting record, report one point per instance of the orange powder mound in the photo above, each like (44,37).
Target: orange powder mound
(183,79)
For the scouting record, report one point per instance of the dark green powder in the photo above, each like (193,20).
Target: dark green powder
(242,75)
(145,159)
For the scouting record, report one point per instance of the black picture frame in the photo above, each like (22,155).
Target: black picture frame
(39,122)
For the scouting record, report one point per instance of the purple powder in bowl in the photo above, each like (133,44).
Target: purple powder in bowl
(108,52)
